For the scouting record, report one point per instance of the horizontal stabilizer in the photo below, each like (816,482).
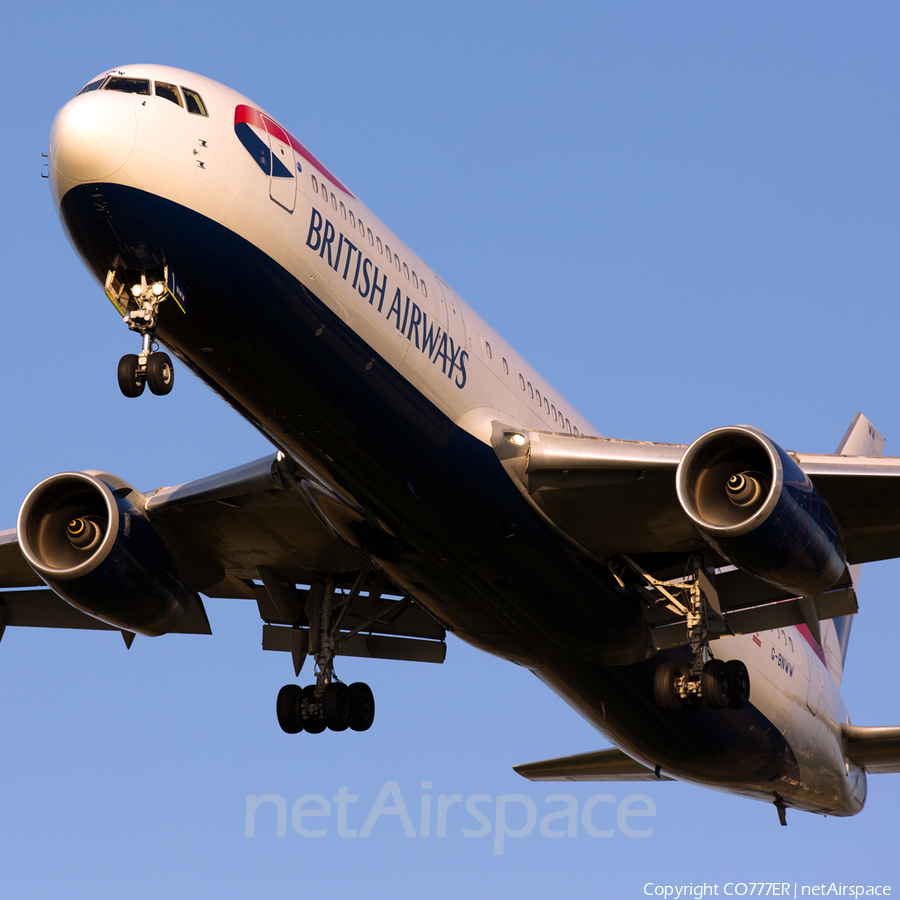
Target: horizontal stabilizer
(875,748)
(601,765)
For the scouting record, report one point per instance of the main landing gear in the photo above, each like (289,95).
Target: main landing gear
(328,703)
(335,706)
(150,367)
(704,679)
(721,685)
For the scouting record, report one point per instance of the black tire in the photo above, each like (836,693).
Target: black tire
(287,706)
(740,684)
(664,686)
(715,684)
(130,383)
(160,374)
(336,708)
(362,706)
(314,724)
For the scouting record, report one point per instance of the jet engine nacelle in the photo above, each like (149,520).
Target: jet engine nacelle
(755,505)
(100,553)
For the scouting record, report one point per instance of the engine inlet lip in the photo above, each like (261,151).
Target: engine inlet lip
(41,501)
(710,446)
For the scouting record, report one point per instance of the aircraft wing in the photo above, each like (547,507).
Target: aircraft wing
(614,496)
(254,516)
(14,571)
(618,501)
(253,532)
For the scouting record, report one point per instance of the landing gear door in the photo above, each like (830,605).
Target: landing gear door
(282,180)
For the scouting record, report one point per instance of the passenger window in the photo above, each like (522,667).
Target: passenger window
(352,219)
(371,239)
(530,391)
(487,348)
(397,261)
(315,183)
(505,366)
(574,430)
(378,242)
(387,253)
(406,271)
(537,396)
(333,200)
(343,211)
(568,426)
(415,278)
(522,381)
(93,86)
(129,85)
(193,102)
(324,193)
(169,91)
(553,411)
(424,290)
(547,406)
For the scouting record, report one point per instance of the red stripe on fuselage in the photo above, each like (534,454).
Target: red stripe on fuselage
(816,646)
(244,113)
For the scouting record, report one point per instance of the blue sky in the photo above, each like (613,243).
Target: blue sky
(685,215)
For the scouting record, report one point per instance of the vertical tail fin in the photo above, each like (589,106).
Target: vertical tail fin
(861,439)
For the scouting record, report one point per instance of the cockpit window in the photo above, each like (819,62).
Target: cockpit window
(90,87)
(193,102)
(128,85)
(169,91)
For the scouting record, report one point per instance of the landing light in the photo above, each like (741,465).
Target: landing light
(136,290)
(515,438)
(158,289)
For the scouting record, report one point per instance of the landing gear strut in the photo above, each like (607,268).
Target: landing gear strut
(150,367)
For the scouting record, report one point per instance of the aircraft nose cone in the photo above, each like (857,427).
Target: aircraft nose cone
(92,137)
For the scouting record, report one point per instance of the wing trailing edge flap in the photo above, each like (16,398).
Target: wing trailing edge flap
(874,748)
(42,608)
(370,625)
(600,765)
(738,603)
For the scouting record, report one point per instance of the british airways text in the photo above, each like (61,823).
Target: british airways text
(409,318)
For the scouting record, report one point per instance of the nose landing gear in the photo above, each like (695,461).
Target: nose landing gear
(150,367)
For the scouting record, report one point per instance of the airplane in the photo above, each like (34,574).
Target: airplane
(691,602)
